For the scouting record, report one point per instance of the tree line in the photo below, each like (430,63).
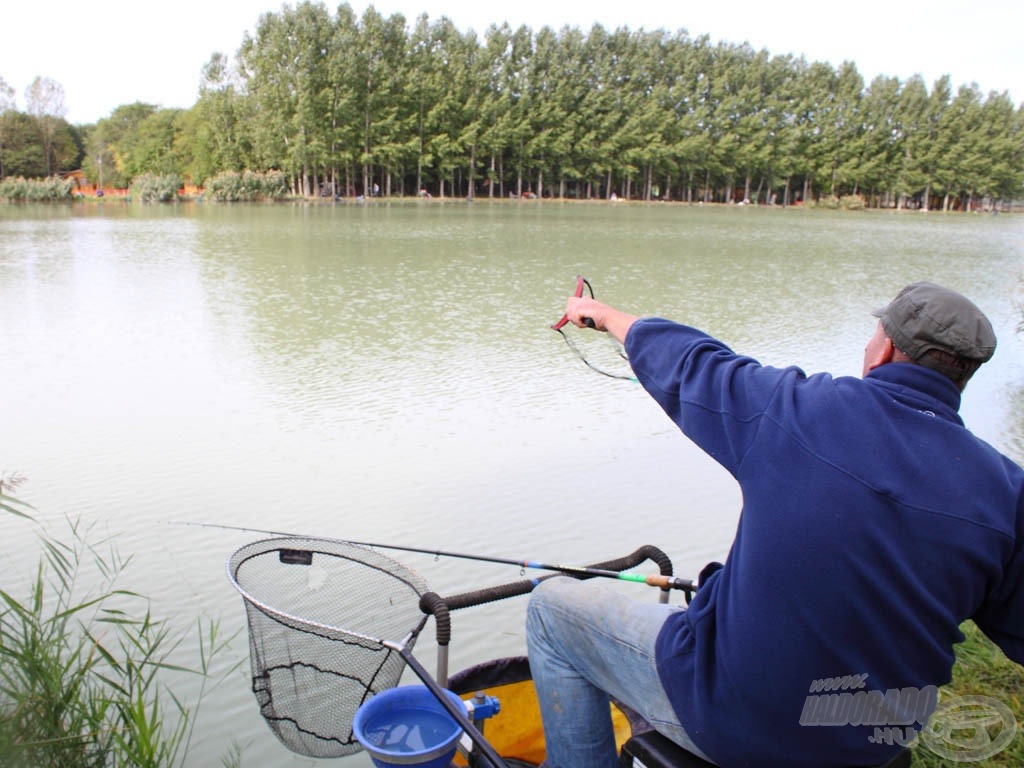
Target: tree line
(345,105)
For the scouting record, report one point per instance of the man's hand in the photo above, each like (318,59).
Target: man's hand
(601,316)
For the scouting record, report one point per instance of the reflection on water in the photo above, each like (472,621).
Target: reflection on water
(386,373)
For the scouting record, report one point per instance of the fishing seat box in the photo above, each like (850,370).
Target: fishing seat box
(650,749)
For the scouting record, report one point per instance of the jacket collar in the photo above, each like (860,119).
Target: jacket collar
(919,387)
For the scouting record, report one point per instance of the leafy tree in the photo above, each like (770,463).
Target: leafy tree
(312,29)
(150,148)
(931,140)
(515,127)
(342,122)
(444,119)
(954,154)
(1001,137)
(24,154)
(495,122)
(690,85)
(755,120)
(376,79)
(45,99)
(880,144)
(266,63)
(844,131)
(216,132)
(992,147)
(912,131)
(7,107)
(604,109)
(111,144)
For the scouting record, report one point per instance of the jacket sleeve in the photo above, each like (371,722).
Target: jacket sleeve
(1004,625)
(1002,615)
(717,398)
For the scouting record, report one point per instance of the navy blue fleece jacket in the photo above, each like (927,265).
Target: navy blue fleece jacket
(873,524)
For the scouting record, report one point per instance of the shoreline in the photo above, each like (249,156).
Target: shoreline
(842,204)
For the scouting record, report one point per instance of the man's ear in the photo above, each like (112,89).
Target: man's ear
(884,355)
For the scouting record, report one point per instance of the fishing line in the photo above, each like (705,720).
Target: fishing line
(655,580)
(581,283)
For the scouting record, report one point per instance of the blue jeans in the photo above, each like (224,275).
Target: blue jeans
(586,642)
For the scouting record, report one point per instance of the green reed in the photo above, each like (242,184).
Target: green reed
(83,669)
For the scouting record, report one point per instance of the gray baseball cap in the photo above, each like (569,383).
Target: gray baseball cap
(925,316)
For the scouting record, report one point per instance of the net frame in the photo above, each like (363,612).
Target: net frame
(311,668)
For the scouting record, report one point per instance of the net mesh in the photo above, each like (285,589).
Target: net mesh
(318,611)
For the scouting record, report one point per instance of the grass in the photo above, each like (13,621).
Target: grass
(82,672)
(981,669)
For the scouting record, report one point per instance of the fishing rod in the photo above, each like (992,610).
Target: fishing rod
(582,282)
(654,580)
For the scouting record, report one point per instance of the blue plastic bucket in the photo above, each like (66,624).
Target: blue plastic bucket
(408,726)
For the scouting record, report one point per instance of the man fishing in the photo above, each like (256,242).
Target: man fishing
(873,525)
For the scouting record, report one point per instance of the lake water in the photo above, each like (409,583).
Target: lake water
(387,374)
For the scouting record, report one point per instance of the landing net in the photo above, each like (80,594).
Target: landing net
(318,611)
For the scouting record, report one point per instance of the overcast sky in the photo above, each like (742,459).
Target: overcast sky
(118,52)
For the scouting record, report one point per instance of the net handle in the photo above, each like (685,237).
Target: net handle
(456,711)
